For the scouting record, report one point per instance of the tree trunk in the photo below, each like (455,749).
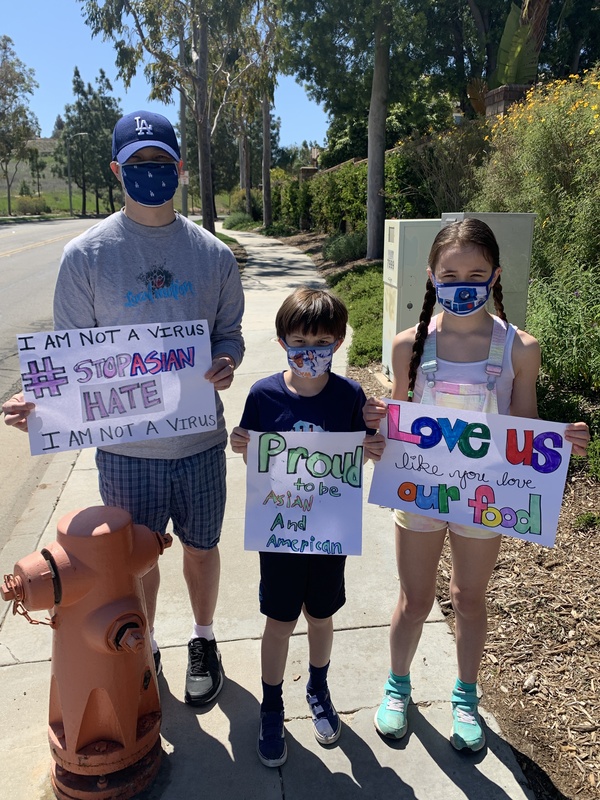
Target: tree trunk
(8,204)
(200,37)
(266,162)
(483,28)
(376,146)
(245,167)
(241,160)
(576,56)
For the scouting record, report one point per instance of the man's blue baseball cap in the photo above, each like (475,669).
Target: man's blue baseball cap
(143,129)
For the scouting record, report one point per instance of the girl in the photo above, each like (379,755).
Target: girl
(462,358)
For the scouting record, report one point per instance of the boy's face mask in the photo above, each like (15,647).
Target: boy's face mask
(309,362)
(150,183)
(462,299)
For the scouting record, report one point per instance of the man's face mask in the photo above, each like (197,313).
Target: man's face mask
(309,362)
(462,299)
(150,183)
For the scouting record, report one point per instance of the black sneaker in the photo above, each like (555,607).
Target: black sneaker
(271,747)
(327,725)
(157,663)
(204,676)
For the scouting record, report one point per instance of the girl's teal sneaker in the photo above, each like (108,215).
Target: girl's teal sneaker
(466,727)
(390,718)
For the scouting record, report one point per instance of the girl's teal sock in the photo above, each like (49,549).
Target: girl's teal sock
(399,678)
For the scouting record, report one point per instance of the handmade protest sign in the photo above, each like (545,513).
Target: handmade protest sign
(104,386)
(304,493)
(485,470)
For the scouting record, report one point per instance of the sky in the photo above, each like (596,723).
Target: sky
(50,37)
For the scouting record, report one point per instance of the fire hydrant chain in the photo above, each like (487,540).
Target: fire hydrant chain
(19,608)
(14,586)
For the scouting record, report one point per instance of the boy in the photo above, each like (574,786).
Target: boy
(311,326)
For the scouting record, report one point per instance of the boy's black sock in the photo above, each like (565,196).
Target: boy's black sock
(317,679)
(272,697)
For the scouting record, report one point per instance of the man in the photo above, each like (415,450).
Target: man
(148,264)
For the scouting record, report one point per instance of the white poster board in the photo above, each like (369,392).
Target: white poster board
(304,493)
(490,471)
(104,386)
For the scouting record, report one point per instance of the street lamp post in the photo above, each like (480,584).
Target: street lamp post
(68,138)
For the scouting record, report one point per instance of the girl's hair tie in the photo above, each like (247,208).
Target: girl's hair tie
(410,393)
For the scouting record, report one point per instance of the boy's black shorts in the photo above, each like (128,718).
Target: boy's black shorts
(288,581)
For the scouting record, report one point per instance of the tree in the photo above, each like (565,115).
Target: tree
(572,43)
(59,124)
(37,166)
(188,46)
(17,124)
(355,55)
(83,152)
(292,158)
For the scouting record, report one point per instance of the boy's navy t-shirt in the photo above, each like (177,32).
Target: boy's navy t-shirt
(271,406)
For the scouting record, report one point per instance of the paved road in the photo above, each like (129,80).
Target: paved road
(29,258)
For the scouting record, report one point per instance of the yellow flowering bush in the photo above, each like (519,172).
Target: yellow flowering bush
(544,157)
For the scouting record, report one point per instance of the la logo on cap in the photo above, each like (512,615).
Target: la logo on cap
(142,127)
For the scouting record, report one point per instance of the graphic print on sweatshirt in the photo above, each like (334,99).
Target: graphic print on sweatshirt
(158,283)
(308,427)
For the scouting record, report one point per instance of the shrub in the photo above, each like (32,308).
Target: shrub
(347,247)
(339,199)
(545,158)
(362,291)
(31,205)
(564,315)
(239,220)
(279,229)
(442,168)
(587,521)
(238,202)
(594,458)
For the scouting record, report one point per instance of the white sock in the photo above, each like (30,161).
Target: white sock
(202,632)
(153,641)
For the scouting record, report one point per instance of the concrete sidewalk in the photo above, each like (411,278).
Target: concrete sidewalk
(212,752)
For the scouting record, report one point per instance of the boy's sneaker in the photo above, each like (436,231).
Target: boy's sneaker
(391,716)
(327,725)
(157,663)
(466,728)
(271,747)
(204,676)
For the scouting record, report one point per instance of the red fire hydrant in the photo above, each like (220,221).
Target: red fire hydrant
(104,719)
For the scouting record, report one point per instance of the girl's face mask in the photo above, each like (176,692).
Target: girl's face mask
(462,299)
(150,183)
(309,362)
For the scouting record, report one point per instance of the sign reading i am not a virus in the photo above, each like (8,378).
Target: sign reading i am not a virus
(489,471)
(304,493)
(105,386)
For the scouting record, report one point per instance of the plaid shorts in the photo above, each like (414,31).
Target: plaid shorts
(190,491)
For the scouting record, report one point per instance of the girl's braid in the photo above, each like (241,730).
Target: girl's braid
(420,336)
(498,298)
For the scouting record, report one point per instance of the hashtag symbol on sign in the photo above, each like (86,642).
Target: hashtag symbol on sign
(48,379)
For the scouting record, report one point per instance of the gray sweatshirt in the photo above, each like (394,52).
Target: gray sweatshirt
(120,272)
